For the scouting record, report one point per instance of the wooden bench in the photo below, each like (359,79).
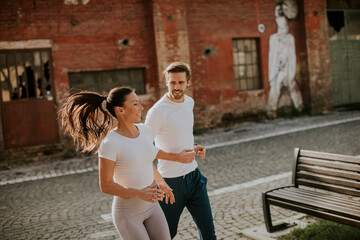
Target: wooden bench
(324,185)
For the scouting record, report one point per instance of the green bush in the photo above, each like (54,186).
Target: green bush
(323,230)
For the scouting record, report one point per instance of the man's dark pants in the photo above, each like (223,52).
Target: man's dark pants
(190,192)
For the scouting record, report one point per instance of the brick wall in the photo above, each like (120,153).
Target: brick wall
(320,84)
(84,37)
(214,25)
(89,36)
(10,158)
(171,36)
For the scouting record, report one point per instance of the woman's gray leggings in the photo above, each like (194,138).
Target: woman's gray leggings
(136,219)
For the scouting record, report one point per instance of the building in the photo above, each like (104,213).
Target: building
(49,49)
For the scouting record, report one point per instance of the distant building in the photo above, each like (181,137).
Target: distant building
(49,49)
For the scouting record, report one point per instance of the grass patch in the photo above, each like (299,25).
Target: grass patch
(323,230)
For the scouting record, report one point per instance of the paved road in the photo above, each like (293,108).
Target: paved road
(72,206)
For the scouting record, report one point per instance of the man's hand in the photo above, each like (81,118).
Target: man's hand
(186,156)
(200,151)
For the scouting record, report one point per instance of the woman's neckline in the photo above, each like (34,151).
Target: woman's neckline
(116,131)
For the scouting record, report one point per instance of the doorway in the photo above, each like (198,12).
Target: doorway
(344,41)
(27,101)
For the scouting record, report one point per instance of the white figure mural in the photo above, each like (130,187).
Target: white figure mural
(282,58)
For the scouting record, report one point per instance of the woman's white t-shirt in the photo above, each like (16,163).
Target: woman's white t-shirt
(133,156)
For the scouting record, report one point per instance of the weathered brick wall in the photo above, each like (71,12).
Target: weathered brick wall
(10,158)
(85,37)
(213,26)
(320,83)
(171,36)
(89,36)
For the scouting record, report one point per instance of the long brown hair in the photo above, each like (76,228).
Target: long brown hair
(86,120)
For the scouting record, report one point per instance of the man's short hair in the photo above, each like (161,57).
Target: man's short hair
(178,67)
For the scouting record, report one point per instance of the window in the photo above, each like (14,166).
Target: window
(25,74)
(336,25)
(246,64)
(103,81)
(352,25)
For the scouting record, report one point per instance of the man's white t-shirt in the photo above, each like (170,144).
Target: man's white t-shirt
(133,156)
(172,128)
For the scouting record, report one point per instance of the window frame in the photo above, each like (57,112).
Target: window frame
(255,64)
(128,70)
(14,88)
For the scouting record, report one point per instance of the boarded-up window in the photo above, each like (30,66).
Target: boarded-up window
(103,81)
(25,74)
(246,64)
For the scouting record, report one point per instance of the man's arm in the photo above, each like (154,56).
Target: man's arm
(185,156)
(154,119)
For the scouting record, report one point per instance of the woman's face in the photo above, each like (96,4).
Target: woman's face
(131,111)
(281,20)
(278,11)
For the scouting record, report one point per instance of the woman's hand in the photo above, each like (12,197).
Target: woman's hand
(200,151)
(168,192)
(151,193)
(163,186)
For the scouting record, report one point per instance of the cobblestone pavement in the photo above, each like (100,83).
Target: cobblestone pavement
(62,200)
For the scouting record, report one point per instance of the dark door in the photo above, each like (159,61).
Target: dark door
(28,110)
(344,36)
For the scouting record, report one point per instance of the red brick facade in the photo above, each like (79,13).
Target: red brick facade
(88,36)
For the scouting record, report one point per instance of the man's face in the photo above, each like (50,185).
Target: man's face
(177,84)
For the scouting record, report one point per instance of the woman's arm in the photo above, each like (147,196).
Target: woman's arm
(107,185)
(163,186)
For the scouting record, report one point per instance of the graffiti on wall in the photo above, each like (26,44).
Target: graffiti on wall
(282,58)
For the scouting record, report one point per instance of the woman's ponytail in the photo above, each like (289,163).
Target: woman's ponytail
(85,119)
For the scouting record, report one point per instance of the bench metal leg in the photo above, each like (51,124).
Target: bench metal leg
(267,216)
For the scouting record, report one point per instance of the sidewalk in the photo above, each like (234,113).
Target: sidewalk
(249,131)
(243,132)
(236,205)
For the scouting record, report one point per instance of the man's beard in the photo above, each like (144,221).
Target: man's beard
(178,95)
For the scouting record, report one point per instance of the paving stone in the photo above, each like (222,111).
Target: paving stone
(71,205)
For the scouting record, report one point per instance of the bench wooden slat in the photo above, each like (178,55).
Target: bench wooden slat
(344,200)
(329,179)
(323,198)
(330,156)
(304,201)
(323,163)
(316,213)
(324,185)
(334,188)
(331,172)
